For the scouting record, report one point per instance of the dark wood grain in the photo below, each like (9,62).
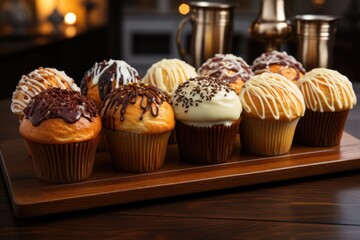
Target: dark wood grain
(31,197)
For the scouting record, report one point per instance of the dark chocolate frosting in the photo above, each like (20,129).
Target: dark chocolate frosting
(59,103)
(105,73)
(151,100)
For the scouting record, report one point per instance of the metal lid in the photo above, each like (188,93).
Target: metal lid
(316,18)
(210,5)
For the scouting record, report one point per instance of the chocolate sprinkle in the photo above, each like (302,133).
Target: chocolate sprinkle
(151,100)
(59,103)
(205,87)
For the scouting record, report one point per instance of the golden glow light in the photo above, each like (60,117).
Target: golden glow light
(184,9)
(70,18)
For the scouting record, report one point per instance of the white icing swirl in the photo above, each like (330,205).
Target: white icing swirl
(327,90)
(168,74)
(35,82)
(205,102)
(272,95)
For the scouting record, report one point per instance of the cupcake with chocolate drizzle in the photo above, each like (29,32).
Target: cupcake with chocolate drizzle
(61,130)
(228,67)
(207,113)
(278,62)
(137,120)
(101,79)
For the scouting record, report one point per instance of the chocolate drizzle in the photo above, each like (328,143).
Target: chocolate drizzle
(226,67)
(151,100)
(262,63)
(59,103)
(204,87)
(105,73)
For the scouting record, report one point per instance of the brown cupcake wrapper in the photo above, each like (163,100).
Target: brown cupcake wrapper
(103,144)
(265,137)
(63,163)
(206,145)
(172,138)
(321,129)
(132,152)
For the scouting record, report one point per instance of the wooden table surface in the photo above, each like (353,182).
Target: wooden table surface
(320,207)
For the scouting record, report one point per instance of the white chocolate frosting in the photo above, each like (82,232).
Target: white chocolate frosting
(35,82)
(205,102)
(168,74)
(327,90)
(272,96)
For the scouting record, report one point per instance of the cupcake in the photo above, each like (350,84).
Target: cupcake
(137,120)
(35,82)
(60,128)
(278,62)
(167,75)
(329,96)
(272,106)
(207,113)
(228,67)
(103,77)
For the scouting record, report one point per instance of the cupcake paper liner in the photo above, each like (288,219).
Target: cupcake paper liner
(321,129)
(267,137)
(206,145)
(63,163)
(132,152)
(103,144)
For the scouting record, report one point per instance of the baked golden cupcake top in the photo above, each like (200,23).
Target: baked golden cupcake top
(168,74)
(228,67)
(271,96)
(57,116)
(35,82)
(137,108)
(105,76)
(278,62)
(327,90)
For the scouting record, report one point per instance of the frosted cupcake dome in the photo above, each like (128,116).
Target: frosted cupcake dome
(168,74)
(272,96)
(35,82)
(327,90)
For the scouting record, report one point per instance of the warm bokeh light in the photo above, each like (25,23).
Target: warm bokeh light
(184,9)
(70,18)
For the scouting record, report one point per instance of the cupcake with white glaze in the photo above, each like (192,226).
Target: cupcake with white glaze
(207,113)
(272,107)
(104,77)
(329,96)
(228,67)
(36,82)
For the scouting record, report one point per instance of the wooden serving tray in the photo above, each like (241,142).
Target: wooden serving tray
(107,186)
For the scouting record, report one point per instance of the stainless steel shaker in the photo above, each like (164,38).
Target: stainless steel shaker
(212,26)
(315,40)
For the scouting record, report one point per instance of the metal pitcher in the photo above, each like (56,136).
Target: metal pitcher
(212,26)
(315,40)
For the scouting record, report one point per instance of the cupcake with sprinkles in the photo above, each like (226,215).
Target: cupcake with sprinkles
(207,113)
(278,62)
(61,130)
(137,120)
(329,97)
(272,107)
(228,67)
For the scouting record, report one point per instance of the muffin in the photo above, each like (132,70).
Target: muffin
(167,75)
(35,82)
(60,128)
(329,96)
(278,62)
(207,113)
(137,120)
(103,77)
(272,106)
(228,67)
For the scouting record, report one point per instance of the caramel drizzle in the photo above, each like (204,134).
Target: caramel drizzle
(151,100)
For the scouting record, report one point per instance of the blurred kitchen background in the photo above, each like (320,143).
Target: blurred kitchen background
(72,35)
